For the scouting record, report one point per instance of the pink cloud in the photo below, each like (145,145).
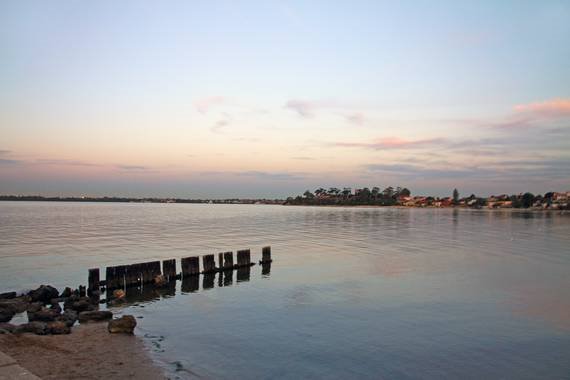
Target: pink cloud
(393,143)
(547,108)
(204,104)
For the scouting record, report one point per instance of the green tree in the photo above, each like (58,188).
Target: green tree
(527,200)
(405,192)
(455,197)
(307,194)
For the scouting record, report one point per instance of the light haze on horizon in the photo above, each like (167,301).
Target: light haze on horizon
(214,99)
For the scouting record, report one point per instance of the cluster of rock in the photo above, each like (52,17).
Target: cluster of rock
(46,316)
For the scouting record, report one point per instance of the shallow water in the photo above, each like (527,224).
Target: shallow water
(352,293)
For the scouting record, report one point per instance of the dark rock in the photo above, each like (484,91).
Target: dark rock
(88,316)
(79,304)
(34,307)
(124,325)
(43,315)
(14,305)
(159,280)
(6,328)
(67,292)
(38,328)
(6,316)
(7,296)
(58,328)
(44,294)
(68,317)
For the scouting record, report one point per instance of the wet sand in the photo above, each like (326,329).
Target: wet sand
(89,352)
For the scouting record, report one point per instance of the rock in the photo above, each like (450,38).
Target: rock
(79,304)
(38,328)
(6,316)
(7,295)
(124,325)
(34,307)
(43,315)
(67,292)
(159,280)
(119,294)
(68,317)
(58,328)
(55,306)
(6,328)
(44,294)
(14,305)
(88,316)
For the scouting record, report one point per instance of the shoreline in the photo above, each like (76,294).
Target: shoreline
(89,352)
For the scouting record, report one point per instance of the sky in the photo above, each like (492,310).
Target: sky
(220,99)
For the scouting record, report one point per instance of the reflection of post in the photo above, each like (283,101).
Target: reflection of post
(190,284)
(208,281)
(243,274)
(265,269)
(110,278)
(228,277)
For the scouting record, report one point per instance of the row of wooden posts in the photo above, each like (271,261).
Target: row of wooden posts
(124,276)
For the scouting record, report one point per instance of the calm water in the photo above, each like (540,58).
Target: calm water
(352,293)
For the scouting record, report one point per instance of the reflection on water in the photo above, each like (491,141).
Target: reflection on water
(352,293)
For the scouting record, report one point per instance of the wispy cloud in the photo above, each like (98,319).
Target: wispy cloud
(303,158)
(356,118)
(219,125)
(6,161)
(271,175)
(203,105)
(63,162)
(393,143)
(132,167)
(304,108)
(3,152)
(547,108)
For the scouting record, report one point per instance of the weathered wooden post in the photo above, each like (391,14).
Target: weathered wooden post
(146,273)
(265,255)
(132,276)
(190,266)
(82,291)
(110,277)
(209,263)
(93,280)
(243,258)
(228,261)
(220,261)
(120,276)
(169,269)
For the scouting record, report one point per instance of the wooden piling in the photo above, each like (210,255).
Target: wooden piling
(265,255)
(220,261)
(209,264)
(169,269)
(190,266)
(243,258)
(93,279)
(133,275)
(228,260)
(110,277)
(120,276)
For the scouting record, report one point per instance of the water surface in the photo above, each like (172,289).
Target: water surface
(352,293)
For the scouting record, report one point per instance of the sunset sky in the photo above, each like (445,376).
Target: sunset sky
(269,98)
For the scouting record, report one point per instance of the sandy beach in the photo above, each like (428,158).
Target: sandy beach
(89,352)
